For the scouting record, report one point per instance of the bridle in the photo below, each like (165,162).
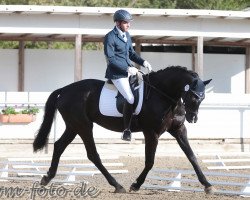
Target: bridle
(187,89)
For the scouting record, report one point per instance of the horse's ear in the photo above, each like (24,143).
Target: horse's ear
(195,82)
(207,81)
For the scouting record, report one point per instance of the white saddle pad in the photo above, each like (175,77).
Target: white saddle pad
(107,102)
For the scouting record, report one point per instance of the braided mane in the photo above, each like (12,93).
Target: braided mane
(178,68)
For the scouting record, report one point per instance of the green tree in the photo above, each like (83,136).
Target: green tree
(9,45)
(187,4)
(213,4)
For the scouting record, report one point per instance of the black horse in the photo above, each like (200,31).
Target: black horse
(172,95)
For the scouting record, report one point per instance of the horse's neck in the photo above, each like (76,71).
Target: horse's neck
(172,84)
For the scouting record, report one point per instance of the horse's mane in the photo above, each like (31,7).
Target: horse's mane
(176,68)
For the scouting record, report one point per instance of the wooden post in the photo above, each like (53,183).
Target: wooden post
(78,58)
(247,71)
(193,57)
(138,51)
(199,63)
(21,66)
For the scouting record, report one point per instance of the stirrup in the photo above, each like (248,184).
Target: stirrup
(126,135)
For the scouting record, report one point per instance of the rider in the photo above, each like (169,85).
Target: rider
(119,53)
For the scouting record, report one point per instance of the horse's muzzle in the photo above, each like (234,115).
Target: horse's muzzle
(191,117)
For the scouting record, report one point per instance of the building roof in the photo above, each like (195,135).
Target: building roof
(164,26)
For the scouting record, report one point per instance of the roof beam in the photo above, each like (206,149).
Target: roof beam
(157,41)
(217,39)
(136,38)
(243,40)
(191,39)
(25,35)
(226,43)
(193,42)
(92,39)
(107,14)
(164,37)
(222,17)
(88,38)
(46,38)
(138,15)
(35,38)
(193,16)
(18,12)
(53,36)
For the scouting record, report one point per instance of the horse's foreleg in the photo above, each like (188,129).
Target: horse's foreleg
(59,147)
(151,142)
(93,156)
(181,137)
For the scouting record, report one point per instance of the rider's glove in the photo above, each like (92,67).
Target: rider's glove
(132,71)
(147,65)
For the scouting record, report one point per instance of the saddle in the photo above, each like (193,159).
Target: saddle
(120,100)
(111,101)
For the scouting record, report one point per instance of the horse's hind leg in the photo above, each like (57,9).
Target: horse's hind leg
(93,156)
(59,147)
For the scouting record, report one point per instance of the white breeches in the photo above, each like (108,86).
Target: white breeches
(122,85)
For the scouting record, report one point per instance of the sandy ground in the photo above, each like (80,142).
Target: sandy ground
(98,186)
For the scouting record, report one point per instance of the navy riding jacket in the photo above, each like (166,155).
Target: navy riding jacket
(119,55)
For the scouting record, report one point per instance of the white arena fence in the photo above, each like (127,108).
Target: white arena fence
(221,116)
(235,182)
(71,170)
(186,180)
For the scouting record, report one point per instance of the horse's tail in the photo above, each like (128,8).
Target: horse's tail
(41,138)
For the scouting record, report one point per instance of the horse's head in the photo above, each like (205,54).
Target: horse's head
(192,97)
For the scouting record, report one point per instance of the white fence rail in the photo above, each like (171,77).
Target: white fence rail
(162,181)
(20,169)
(220,116)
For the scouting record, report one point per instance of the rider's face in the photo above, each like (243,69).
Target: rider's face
(123,25)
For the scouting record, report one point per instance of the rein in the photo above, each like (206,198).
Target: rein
(157,90)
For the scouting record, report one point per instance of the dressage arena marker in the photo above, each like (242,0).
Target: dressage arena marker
(221,163)
(22,168)
(177,181)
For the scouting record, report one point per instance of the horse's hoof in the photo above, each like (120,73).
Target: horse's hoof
(209,190)
(120,190)
(134,187)
(44,181)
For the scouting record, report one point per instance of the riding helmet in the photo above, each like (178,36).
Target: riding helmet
(122,15)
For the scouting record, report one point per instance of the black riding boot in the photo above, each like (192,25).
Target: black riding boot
(127,117)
